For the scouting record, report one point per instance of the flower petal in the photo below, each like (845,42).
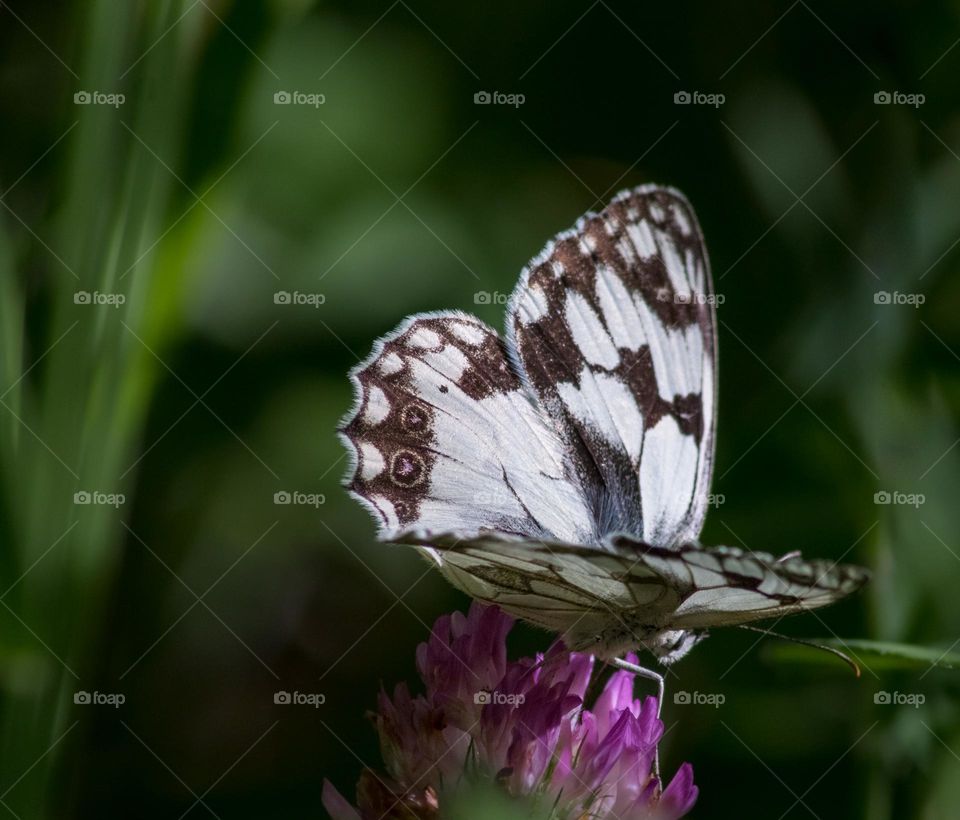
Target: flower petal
(336,804)
(678,798)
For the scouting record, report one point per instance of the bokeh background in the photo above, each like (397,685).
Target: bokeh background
(199,197)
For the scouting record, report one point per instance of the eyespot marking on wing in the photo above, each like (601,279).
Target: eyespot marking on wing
(443,433)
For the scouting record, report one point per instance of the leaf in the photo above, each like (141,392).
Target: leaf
(872,654)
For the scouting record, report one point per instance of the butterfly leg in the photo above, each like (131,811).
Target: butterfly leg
(620,663)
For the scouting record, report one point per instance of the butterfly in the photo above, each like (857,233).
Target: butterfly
(562,472)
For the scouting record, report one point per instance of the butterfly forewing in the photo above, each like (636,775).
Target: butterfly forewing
(445,437)
(615,331)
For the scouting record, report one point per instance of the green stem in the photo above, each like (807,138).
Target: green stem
(89,407)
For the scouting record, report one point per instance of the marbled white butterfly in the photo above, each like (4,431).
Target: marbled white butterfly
(562,472)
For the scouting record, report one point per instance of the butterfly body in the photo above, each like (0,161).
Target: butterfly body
(562,472)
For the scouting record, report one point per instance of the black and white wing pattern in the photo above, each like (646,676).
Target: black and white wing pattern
(444,437)
(562,472)
(613,325)
(560,587)
(596,416)
(725,586)
(639,595)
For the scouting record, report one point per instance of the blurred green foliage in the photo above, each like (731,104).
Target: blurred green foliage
(199,198)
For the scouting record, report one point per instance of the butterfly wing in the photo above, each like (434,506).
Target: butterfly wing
(596,416)
(514,465)
(725,586)
(566,588)
(635,591)
(444,436)
(614,328)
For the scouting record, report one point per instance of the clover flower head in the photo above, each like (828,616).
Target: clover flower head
(524,725)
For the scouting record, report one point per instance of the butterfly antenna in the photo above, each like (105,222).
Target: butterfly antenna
(833,651)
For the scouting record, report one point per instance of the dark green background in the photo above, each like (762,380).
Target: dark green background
(199,198)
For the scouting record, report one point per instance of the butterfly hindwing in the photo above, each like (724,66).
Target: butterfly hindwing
(614,327)
(445,437)
(562,587)
(636,591)
(724,586)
